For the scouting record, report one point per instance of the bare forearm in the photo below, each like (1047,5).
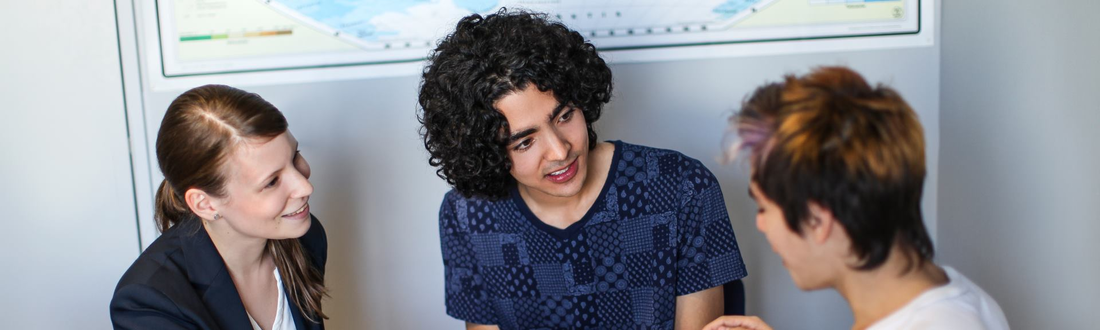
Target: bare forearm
(695,310)
(475,326)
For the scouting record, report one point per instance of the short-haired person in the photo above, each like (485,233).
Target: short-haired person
(239,248)
(837,174)
(547,227)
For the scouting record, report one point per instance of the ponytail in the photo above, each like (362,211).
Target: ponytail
(170,208)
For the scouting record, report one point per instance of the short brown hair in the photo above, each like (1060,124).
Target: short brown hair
(831,138)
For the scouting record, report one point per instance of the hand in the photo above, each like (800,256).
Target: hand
(734,322)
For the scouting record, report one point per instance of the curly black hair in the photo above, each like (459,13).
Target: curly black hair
(485,59)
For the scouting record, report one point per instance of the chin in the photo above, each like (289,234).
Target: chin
(570,190)
(301,231)
(808,285)
(294,230)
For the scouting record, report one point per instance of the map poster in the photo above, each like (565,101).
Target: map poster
(196,38)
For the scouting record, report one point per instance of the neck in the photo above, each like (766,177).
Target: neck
(877,293)
(242,255)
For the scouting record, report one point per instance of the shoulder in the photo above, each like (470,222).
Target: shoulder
(455,205)
(630,151)
(141,306)
(162,263)
(667,164)
(942,315)
(957,305)
(669,161)
(157,279)
(453,197)
(975,301)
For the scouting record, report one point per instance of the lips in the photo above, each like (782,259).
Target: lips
(564,174)
(299,213)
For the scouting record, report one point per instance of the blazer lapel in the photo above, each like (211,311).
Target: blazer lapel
(211,280)
(296,313)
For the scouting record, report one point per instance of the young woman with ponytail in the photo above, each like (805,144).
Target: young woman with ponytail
(239,248)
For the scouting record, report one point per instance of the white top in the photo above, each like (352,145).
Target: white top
(283,319)
(959,304)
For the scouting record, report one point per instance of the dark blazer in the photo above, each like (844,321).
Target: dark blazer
(181,282)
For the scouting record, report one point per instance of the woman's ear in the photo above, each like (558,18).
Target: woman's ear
(200,203)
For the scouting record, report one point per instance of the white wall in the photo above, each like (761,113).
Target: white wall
(67,196)
(1019,185)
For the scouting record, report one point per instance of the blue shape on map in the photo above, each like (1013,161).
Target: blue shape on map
(732,7)
(350,16)
(477,6)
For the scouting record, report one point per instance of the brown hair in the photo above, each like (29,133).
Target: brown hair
(199,131)
(831,138)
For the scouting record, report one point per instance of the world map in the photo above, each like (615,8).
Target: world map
(201,37)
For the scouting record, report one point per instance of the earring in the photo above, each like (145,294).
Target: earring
(216,216)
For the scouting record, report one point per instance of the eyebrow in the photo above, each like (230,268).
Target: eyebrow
(557,111)
(532,130)
(522,134)
(276,172)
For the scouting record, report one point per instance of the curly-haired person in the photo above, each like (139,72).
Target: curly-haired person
(547,227)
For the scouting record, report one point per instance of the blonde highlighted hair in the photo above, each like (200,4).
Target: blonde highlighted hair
(857,149)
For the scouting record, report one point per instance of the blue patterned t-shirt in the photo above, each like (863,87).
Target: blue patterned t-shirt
(658,230)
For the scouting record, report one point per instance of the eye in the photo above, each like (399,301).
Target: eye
(272,183)
(523,145)
(566,116)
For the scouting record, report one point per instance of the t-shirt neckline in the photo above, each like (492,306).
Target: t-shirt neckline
(573,229)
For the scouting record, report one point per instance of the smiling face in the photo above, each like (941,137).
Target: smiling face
(267,190)
(548,143)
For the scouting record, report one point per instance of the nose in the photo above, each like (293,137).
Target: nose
(760,223)
(302,165)
(558,148)
(300,182)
